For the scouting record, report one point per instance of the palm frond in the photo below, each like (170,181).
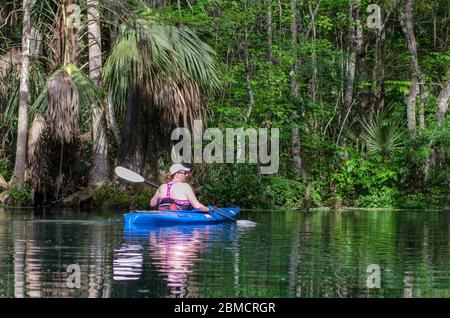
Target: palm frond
(380,135)
(89,94)
(63,107)
(197,58)
(171,66)
(37,84)
(35,154)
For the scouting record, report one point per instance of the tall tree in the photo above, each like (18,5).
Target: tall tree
(378,70)
(313,11)
(416,87)
(296,143)
(269,32)
(364,95)
(351,63)
(443,100)
(22,124)
(99,169)
(156,75)
(294,34)
(245,47)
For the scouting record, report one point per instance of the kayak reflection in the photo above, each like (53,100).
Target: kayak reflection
(172,250)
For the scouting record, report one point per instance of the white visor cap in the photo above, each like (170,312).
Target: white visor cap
(177,167)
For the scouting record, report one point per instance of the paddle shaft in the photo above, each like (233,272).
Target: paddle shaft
(151,184)
(223,215)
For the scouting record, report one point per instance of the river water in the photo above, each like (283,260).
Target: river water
(286,254)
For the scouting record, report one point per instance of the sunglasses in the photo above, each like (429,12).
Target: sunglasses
(184,172)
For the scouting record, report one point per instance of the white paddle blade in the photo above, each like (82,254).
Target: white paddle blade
(128,175)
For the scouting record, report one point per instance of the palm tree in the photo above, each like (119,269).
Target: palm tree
(61,99)
(18,178)
(157,76)
(99,169)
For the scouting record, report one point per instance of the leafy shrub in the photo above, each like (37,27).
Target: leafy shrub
(111,196)
(285,192)
(360,178)
(234,185)
(384,198)
(21,197)
(6,169)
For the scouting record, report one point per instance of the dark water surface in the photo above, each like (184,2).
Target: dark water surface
(287,254)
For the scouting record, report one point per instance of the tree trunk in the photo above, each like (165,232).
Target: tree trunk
(21,148)
(313,82)
(269,32)
(443,100)
(248,78)
(99,169)
(364,95)
(248,72)
(417,80)
(380,91)
(71,38)
(294,66)
(131,154)
(351,67)
(297,152)
(296,144)
(411,106)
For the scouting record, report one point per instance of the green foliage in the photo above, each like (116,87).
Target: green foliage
(234,185)
(380,136)
(21,197)
(110,196)
(367,183)
(377,167)
(286,192)
(425,170)
(384,198)
(6,167)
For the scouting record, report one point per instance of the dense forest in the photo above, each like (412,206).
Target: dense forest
(358,89)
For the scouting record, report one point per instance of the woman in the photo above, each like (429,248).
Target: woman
(175,193)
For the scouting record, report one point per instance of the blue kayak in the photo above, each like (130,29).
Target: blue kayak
(169,217)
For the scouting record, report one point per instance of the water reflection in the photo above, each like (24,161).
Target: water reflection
(35,254)
(173,251)
(288,254)
(128,262)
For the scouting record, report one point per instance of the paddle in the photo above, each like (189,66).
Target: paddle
(221,214)
(132,176)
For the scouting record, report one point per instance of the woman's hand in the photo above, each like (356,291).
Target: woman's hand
(194,201)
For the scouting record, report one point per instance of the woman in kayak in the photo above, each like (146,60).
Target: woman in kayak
(175,193)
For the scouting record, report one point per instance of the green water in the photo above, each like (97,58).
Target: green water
(287,254)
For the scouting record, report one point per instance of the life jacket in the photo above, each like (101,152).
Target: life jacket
(168,203)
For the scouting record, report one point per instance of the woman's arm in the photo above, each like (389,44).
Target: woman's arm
(154,199)
(193,199)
